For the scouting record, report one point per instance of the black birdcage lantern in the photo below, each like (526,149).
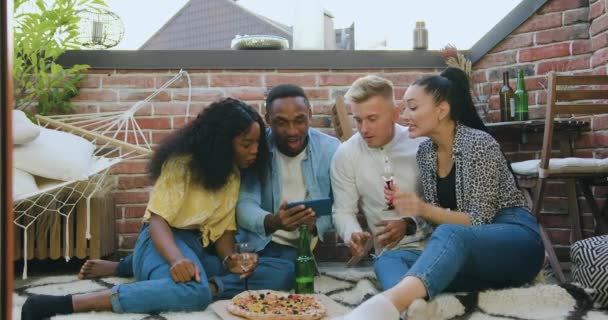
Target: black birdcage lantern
(101,29)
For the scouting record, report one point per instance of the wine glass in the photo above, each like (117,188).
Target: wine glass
(246,258)
(388,179)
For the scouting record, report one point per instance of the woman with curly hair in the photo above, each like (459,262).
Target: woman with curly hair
(186,242)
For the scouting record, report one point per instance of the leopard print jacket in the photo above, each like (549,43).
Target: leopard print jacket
(484,184)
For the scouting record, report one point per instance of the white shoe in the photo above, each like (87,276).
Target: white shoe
(377,307)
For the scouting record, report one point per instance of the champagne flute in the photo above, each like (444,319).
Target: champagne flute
(388,178)
(246,259)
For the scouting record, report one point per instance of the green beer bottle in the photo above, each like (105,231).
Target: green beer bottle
(521,98)
(305,265)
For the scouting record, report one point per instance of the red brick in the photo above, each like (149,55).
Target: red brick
(128,225)
(599,122)
(597,9)
(532,83)
(563,65)
(599,57)
(599,25)
(537,112)
(139,95)
(580,47)
(90,81)
(303,80)
(246,93)
(402,79)
(541,22)
(96,95)
(546,52)
(338,79)
(135,166)
(580,15)
(235,80)
(134,182)
(123,197)
(154,123)
(514,42)
(145,110)
(600,41)
(127,241)
(196,81)
(170,108)
(398,93)
(562,5)
(541,97)
(132,136)
(198,95)
(159,136)
(119,212)
(135,211)
(85,108)
(128,81)
(592,140)
(479,76)
(497,59)
(579,31)
(317,94)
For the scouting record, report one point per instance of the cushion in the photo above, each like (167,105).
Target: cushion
(55,155)
(562,165)
(23,184)
(24,130)
(590,267)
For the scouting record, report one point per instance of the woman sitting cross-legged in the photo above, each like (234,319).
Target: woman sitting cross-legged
(484,235)
(186,244)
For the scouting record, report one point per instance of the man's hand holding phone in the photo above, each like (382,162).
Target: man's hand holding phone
(289,218)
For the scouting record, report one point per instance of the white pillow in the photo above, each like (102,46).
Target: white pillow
(55,155)
(23,183)
(24,130)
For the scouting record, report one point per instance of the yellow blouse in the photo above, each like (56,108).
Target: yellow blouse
(185,204)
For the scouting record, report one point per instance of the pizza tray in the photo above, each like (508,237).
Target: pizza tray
(334,309)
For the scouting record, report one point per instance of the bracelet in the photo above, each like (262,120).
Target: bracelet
(224,261)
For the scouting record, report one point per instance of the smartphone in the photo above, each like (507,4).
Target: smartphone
(321,207)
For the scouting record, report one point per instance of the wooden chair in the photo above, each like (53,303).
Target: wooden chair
(339,117)
(576,95)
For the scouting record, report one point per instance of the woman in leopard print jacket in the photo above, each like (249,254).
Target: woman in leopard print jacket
(485,237)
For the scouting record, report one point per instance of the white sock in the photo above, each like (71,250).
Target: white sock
(377,307)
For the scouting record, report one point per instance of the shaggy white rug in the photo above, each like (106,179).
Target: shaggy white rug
(350,287)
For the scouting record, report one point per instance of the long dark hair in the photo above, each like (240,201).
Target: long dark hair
(208,139)
(452,86)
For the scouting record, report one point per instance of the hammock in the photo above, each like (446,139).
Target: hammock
(117,137)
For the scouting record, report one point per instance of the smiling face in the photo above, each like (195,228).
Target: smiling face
(376,118)
(289,119)
(421,113)
(245,146)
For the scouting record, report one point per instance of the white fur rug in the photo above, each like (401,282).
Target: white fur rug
(350,287)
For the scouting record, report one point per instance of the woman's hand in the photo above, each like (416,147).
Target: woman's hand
(406,204)
(183,270)
(242,263)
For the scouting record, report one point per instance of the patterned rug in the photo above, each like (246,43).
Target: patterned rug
(350,287)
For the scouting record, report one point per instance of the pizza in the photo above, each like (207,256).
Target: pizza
(275,305)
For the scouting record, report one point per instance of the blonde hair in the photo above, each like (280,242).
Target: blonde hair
(368,87)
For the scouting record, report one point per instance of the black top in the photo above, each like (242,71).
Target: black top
(446,190)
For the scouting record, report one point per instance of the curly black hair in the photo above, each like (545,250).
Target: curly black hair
(208,139)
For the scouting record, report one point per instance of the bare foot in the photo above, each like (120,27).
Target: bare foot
(93,269)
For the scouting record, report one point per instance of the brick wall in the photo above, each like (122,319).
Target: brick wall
(564,35)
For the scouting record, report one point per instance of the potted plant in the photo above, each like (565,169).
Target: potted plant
(44,31)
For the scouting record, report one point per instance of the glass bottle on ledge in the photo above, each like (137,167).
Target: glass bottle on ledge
(305,264)
(507,99)
(521,98)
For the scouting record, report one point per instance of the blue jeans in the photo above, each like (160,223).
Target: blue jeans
(508,252)
(155,290)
